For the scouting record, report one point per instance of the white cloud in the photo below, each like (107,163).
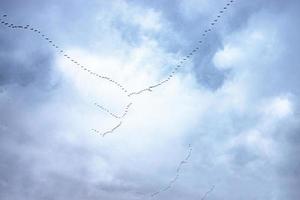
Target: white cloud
(278,107)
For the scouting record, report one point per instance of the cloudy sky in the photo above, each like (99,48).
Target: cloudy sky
(226,125)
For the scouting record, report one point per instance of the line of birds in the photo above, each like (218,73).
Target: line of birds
(207,193)
(187,57)
(179,168)
(27,27)
(107,132)
(182,61)
(113,114)
(84,68)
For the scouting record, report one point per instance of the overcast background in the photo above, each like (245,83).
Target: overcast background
(236,102)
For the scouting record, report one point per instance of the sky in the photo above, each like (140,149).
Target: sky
(226,124)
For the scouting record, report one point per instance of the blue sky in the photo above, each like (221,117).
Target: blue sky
(235,101)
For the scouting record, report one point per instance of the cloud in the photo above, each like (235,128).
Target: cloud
(241,121)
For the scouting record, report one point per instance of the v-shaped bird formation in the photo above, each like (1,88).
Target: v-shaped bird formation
(4,21)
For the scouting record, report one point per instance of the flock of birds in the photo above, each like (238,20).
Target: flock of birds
(204,34)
